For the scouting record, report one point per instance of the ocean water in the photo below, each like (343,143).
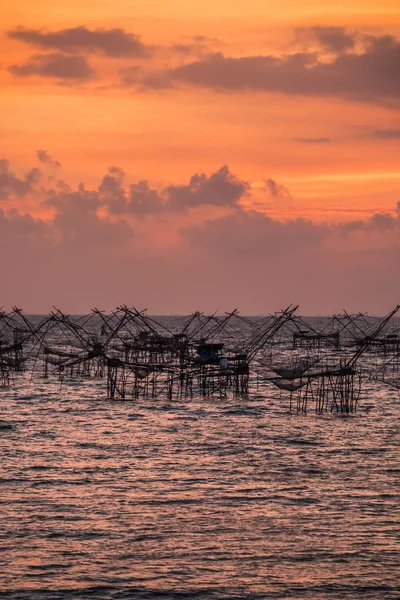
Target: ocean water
(191,498)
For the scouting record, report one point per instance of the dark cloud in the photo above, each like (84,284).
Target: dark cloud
(140,200)
(221,188)
(143,200)
(14,225)
(373,75)
(313,140)
(59,66)
(276,190)
(111,184)
(115,43)
(379,222)
(387,134)
(331,39)
(382,222)
(11,185)
(44,157)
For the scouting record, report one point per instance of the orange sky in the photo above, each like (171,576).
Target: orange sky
(167,135)
(335,152)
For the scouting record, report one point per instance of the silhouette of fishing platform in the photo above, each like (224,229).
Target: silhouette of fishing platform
(135,356)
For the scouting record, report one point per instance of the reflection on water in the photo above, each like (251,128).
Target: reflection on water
(193,498)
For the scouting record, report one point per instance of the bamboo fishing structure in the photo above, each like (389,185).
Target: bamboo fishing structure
(133,356)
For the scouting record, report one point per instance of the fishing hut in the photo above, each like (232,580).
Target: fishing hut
(314,340)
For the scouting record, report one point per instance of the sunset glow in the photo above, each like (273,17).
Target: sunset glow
(301,95)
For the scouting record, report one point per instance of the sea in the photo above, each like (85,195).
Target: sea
(219,498)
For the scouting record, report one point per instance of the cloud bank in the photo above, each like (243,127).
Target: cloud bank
(328,62)
(172,250)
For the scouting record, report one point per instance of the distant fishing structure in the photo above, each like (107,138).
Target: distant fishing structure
(135,356)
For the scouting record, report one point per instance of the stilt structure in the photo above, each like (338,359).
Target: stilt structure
(318,364)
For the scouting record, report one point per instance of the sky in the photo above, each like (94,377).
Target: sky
(182,155)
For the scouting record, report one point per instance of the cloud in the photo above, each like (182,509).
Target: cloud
(387,134)
(56,65)
(322,266)
(78,222)
(257,233)
(188,49)
(115,43)
(11,185)
(221,188)
(63,260)
(44,157)
(139,200)
(251,234)
(371,75)
(76,227)
(276,190)
(382,222)
(16,226)
(313,140)
(331,39)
